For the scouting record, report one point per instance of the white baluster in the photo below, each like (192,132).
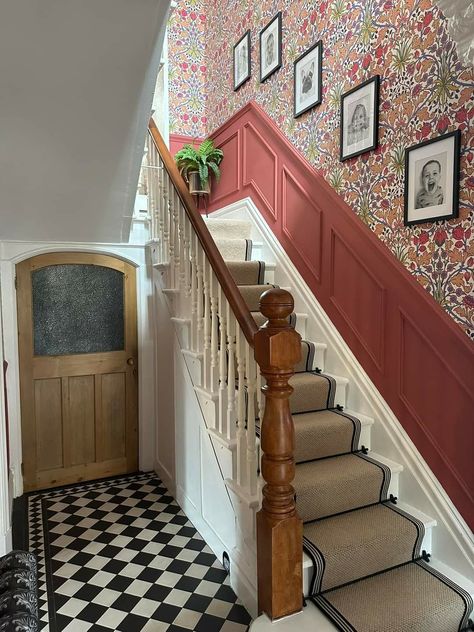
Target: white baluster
(166,217)
(200,293)
(250,370)
(231,327)
(182,262)
(241,433)
(222,408)
(214,329)
(161,208)
(187,252)
(175,209)
(206,320)
(194,295)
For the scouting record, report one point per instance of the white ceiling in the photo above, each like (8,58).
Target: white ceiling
(76,86)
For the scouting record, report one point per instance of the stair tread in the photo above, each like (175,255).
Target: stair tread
(228,228)
(247,272)
(336,484)
(324,433)
(234,249)
(405,599)
(386,537)
(311,391)
(252,293)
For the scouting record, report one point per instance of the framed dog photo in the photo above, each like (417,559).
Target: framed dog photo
(360,119)
(270,47)
(432,179)
(242,61)
(307,79)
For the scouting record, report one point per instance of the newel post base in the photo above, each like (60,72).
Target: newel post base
(279,529)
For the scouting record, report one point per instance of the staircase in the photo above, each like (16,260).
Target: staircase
(367,562)
(370,559)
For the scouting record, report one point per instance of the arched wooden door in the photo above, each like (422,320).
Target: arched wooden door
(77,327)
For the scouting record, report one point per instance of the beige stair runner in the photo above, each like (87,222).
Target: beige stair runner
(370,574)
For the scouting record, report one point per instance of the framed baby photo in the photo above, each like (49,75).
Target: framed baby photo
(307,79)
(242,61)
(270,47)
(360,119)
(432,179)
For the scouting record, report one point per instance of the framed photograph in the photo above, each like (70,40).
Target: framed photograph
(270,48)
(360,119)
(307,77)
(242,61)
(432,179)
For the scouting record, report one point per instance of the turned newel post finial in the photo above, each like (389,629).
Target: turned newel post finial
(279,530)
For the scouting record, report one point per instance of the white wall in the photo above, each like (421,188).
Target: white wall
(5,500)
(13,252)
(77,80)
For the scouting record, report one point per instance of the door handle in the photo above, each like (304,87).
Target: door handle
(130,361)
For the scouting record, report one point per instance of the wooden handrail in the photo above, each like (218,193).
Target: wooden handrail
(221,271)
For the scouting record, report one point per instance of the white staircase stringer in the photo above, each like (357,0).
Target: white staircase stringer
(453,542)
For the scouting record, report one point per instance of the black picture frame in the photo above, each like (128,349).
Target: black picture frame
(270,52)
(242,61)
(313,55)
(359,131)
(432,179)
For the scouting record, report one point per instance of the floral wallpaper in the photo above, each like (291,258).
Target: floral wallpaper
(425,91)
(187,69)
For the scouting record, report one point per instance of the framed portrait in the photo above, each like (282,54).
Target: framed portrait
(270,48)
(432,179)
(307,79)
(360,119)
(242,61)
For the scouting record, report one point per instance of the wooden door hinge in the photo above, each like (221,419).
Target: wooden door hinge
(16,282)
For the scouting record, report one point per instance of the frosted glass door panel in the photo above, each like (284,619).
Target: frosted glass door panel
(77,308)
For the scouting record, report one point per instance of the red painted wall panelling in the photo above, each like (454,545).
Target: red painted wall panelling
(418,358)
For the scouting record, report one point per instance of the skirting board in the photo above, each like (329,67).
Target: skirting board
(453,540)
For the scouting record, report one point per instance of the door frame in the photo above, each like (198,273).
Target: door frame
(12,253)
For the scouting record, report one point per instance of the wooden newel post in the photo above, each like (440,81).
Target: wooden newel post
(279,529)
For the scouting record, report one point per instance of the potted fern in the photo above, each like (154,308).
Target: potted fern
(197,164)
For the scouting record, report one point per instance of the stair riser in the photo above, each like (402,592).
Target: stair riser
(392,489)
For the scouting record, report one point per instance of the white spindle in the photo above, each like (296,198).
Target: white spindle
(250,370)
(222,408)
(231,327)
(206,320)
(194,295)
(187,253)
(161,208)
(166,217)
(214,328)
(241,434)
(176,255)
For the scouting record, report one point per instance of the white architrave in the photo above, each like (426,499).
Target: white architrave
(460,16)
(5,522)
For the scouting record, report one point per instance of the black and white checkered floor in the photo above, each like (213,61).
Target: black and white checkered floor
(120,555)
